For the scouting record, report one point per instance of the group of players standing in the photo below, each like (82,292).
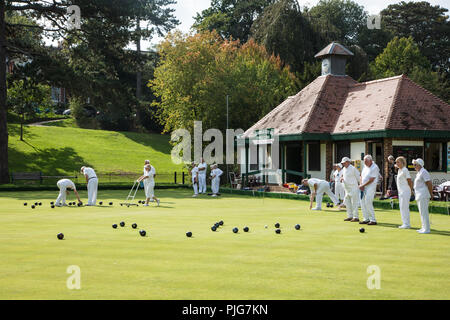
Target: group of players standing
(198,173)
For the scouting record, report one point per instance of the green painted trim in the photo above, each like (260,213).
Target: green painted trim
(421,134)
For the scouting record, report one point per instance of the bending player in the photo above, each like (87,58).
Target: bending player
(318,188)
(64,185)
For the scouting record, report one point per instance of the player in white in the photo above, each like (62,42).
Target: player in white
(338,186)
(64,185)
(423,189)
(215,179)
(149,183)
(194,173)
(92,184)
(202,167)
(351,178)
(318,188)
(369,181)
(405,189)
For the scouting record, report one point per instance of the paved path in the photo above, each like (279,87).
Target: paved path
(43,123)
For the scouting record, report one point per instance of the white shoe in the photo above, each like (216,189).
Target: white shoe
(420,231)
(317,209)
(214,195)
(146,205)
(194,196)
(424,232)
(404,227)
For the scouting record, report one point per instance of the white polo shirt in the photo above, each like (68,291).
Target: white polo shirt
(402,180)
(351,177)
(337,176)
(150,174)
(66,183)
(420,187)
(216,172)
(90,173)
(370,172)
(194,172)
(314,181)
(202,165)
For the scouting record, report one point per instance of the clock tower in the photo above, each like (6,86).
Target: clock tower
(334,58)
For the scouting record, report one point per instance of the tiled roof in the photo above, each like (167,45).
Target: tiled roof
(338,104)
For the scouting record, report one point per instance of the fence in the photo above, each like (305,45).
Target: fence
(176,177)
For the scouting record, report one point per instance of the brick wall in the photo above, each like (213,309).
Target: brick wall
(329,159)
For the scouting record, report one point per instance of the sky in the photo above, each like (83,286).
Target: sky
(186,10)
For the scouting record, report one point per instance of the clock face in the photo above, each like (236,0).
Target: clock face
(325,66)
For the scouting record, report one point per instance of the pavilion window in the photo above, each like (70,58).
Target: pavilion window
(314,156)
(434,155)
(410,153)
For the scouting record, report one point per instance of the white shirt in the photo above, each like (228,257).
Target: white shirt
(370,172)
(337,176)
(351,177)
(217,173)
(402,180)
(420,187)
(202,165)
(90,173)
(66,183)
(313,181)
(194,172)
(150,174)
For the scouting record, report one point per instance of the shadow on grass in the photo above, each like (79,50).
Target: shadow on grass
(50,161)
(157,142)
(433,231)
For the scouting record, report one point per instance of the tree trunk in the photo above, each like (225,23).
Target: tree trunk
(4,172)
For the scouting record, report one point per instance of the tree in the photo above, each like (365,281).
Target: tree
(403,56)
(108,27)
(197,72)
(231,18)
(286,32)
(346,16)
(399,57)
(428,25)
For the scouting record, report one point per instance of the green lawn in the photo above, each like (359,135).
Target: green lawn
(63,150)
(327,259)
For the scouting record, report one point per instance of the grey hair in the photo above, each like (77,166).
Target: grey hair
(368,157)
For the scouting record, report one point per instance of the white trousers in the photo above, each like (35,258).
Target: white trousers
(215,185)
(149,187)
(424,213)
(195,186)
(202,183)
(351,201)
(322,188)
(92,191)
(404,199)
(367,203)
(61,200)
(340,192)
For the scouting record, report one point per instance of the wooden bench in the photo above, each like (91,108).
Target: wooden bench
(26,176)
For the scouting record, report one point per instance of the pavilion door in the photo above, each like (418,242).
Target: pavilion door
(294,161)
